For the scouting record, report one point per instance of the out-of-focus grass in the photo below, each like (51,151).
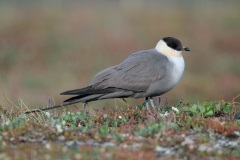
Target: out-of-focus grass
(193,131)
(47,48)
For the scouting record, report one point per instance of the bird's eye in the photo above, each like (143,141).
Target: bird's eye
(176,46)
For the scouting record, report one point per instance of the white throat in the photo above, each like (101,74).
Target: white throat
(163,48)
(175,57)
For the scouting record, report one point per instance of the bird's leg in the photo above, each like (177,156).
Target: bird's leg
(146,103)
(84,107)
(159,100)
(152,103)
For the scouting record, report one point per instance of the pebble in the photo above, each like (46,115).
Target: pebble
(61,138)
(237,116)
(163,152)
(187,141)
(108,144)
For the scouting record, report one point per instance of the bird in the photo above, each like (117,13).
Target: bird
(143,74)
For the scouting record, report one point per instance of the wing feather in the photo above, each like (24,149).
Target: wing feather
(136,73)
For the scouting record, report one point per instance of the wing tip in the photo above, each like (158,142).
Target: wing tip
(76,91)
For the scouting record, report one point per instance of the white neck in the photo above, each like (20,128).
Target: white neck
(163,48)
(176,58)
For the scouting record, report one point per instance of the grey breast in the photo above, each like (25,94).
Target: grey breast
(145,73)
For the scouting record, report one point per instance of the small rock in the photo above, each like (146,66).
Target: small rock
(135,146)
(202,148)
(48,146)
(233,144)
(90,142)
(163,152)
(187,141)
(79,143)
(61,138)
(237,116)
(237,133)
(108,144)
(70,143)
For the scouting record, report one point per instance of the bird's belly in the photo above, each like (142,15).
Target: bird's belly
(175,77)
(169,81)
(160,87)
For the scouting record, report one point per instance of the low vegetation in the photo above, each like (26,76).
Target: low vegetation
(184,131)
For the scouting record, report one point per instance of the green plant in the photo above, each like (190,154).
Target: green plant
(103,130)
(208,109)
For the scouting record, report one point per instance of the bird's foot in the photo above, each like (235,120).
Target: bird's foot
(152,103)
(84,108)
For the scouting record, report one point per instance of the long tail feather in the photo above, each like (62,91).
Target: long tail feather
(77,91)
(88,91)
(86,95)
(52,107)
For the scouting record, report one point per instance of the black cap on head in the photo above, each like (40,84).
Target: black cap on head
(173,43)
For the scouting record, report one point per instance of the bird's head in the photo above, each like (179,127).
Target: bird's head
(170,46)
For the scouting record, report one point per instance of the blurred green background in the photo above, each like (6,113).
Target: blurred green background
(47,47)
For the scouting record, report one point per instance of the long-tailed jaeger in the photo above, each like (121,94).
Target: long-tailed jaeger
(143,74)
